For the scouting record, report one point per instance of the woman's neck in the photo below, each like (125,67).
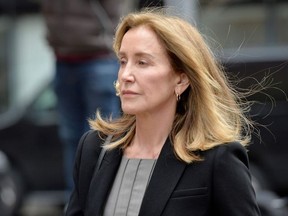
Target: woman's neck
(150,136)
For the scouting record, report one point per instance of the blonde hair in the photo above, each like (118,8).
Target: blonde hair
(210,112)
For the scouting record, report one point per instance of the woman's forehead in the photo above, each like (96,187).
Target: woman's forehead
(142,38)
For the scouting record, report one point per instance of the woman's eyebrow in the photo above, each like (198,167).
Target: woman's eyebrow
(138,54)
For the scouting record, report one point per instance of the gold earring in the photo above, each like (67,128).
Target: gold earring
(178,97)
(116,86)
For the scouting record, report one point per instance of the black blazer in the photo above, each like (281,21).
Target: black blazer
(218,186)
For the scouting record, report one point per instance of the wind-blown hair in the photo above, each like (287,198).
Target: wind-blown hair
(210,111)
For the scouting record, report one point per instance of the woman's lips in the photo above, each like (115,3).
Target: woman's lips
(128,93)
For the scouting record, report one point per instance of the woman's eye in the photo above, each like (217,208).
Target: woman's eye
(122,62)
(142,62)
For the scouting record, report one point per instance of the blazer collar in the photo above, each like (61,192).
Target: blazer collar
(102,181)
(164,179)
(166,174)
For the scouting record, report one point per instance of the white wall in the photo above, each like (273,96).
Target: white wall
(31,60)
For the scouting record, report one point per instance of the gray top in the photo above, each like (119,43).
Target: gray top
(129,187)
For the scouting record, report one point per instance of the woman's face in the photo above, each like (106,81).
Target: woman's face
(147,81)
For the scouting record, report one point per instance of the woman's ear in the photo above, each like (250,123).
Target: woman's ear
(183,83)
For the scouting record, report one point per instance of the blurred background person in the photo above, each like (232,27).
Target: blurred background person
(80,32)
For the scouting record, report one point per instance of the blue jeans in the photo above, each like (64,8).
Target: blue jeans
(81,88)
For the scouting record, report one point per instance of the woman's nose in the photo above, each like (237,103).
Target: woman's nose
(127,74)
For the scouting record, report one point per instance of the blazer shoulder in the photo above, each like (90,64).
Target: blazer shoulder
(89,146)
(232,151)
(228,148)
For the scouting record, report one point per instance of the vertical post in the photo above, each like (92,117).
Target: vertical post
(187,9)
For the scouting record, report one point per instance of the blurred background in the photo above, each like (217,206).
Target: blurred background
(250,37)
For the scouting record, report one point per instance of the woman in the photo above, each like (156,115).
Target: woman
(179,148)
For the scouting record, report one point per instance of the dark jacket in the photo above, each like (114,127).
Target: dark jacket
(81,26)
(219,186)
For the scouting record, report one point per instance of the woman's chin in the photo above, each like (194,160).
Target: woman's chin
(130,111)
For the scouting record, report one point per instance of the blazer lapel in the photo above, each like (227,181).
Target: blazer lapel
(166,174)
(101,182)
